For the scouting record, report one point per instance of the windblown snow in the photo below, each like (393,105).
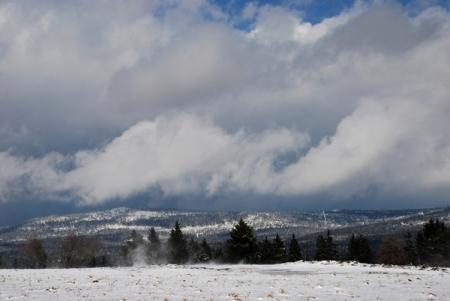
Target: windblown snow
(290,281)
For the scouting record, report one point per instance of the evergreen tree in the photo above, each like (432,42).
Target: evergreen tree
(265,251)
(410,249)
(331,246)
(352,248)
(132,243)
(433,243)
(135,240)
(242,244)
(321,248)
(178,252)
(205,252)
(359,249)
(325,248)
(153,238)
(193,248)
(154,246)
(422,248)
(279,254)
(294,252)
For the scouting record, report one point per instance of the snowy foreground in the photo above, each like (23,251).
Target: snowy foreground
(291,281)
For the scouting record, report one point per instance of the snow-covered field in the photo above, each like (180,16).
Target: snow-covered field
(291,281)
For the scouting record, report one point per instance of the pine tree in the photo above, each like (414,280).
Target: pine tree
(410,249)
(325,248)
(359,249)
(154,246)
(193,248)
(205,252)
(421,247)
(178,252)
(321,248)
(433,243)
(132,243)
(280,254)
(294,252)
(135,240)
(331,246)
(265,251)
(352,249)
(242,244)
(153,238)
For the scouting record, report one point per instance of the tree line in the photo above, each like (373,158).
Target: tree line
(430,246)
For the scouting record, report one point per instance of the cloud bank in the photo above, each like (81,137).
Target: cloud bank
(99,101)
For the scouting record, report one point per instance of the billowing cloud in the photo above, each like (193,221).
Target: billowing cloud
(107,102)
(181,154)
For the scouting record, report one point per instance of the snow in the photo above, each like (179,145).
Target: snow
(290,281)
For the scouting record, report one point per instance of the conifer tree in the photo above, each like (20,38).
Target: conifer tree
(359,249)
(242,244)
(294,252)
(154,246)
(153,238)
(193,248)
(178,252)
(325,248)
(321,248)
(351,248)
(132,243)
(332,249)
(205,252)
(134,240)
(433,243)
(265,251)
(280,254)
(410,249)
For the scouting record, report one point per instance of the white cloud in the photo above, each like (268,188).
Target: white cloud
(278,24)
(38,177)
(180,154)
(356,101)
(250,11)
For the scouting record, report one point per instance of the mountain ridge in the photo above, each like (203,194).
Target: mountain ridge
(211,223)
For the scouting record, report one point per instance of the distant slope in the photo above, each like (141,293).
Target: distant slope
(115,224)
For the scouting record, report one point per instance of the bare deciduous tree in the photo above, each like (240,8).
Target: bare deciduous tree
(77,251)
(35,253)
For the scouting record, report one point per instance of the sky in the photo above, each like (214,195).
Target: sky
(223,105)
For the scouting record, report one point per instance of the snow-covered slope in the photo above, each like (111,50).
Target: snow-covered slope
(115,224)
(291,281)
